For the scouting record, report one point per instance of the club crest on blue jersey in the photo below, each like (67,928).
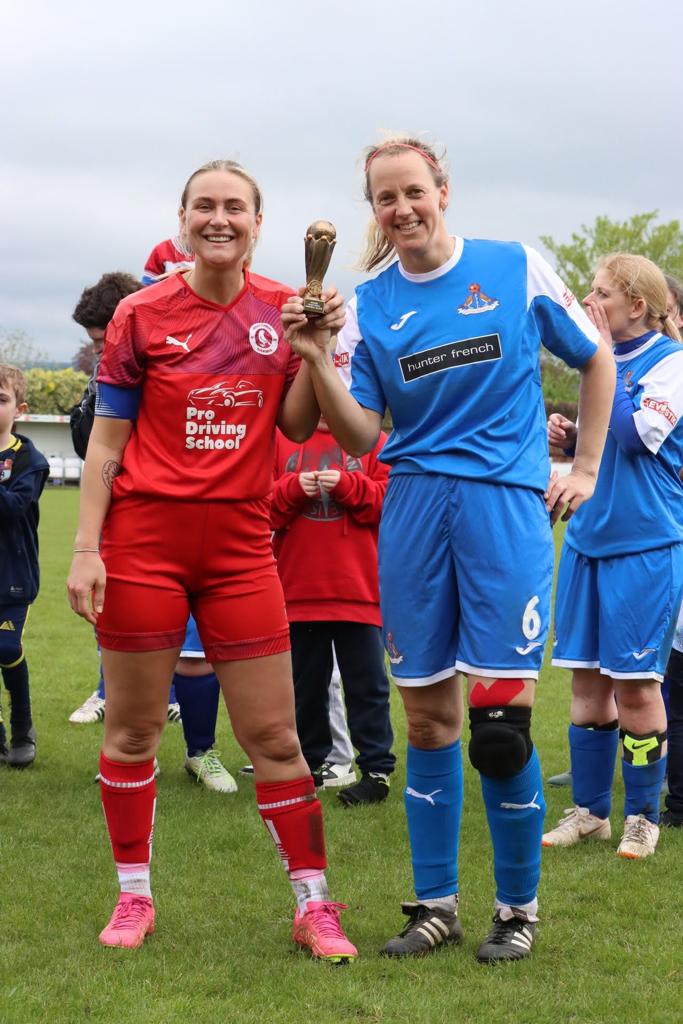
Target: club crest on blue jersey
(628,380)
(5,470)
(477,301)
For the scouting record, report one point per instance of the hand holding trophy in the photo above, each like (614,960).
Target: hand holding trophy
(319,241)
(312,318)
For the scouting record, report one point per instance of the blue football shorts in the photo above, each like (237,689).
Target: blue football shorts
(192,645)
(618,614)
(466,571)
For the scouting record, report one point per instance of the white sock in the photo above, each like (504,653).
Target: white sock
(525,911)
(449,903)
(134,878)
(309,885)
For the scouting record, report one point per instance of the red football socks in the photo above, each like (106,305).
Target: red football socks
(292,814)
(129,797)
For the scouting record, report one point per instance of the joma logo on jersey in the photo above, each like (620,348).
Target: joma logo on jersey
(451,356)
(663,408)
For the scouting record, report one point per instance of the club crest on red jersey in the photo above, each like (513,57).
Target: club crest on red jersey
(263,338)
(477,301)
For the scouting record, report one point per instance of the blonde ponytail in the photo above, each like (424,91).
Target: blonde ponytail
(378,249)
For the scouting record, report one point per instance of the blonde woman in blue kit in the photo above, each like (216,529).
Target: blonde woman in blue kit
(621,571)
(447,338)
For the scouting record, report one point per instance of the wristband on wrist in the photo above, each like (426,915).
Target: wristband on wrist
(80,551)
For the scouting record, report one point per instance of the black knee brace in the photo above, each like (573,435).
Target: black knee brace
(500,742)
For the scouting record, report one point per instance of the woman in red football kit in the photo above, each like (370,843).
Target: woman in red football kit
(195,376)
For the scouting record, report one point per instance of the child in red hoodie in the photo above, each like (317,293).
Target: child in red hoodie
(325,513)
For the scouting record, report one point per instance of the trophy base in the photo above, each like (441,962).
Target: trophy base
(313,308)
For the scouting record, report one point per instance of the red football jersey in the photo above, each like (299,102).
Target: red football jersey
(212,379)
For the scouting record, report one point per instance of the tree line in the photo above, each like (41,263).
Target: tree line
(56,391)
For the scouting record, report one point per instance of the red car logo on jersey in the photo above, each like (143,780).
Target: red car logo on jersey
(241,393)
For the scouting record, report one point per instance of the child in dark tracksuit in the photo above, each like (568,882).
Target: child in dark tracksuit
(23,472)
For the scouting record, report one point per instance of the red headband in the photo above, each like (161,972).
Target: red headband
(402,145)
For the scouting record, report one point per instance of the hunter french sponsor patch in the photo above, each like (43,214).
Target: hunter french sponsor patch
(451,356)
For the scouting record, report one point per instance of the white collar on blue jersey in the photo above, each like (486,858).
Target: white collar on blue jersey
(636,346)
(431,275)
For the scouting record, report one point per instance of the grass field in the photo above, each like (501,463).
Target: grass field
(609,946)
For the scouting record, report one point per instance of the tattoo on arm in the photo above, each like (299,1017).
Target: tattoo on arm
(110,469)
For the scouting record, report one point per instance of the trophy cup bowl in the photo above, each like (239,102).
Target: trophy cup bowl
(319,241)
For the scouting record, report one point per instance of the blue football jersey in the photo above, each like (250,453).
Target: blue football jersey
(454,355)
(637,504)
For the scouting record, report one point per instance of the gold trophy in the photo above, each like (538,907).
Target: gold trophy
(319,241)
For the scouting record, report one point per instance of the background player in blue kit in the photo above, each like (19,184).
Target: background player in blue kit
(198,692)
(621,572)
(448,339)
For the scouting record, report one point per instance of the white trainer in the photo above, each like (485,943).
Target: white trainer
(91,710)
(333,775)
(210,771)
(577,824)
(173,713)
(639,839)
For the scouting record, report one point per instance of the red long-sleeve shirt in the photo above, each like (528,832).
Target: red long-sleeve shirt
(326,547)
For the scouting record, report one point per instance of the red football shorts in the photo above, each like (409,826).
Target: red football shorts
(165,558)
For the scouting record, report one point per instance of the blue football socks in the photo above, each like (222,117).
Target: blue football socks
(100,685)
(593,756)
(642,785)
(198,700)
(515,809)
(433,802)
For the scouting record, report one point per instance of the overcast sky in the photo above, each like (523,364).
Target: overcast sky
(551,114)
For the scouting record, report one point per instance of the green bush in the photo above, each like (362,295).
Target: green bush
(54,391)
(560,383)
(568,409)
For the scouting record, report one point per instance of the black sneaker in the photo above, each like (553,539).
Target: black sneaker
(247,771)
(670,819)
(427,928)
(372,789)
(507,940)
(22,751)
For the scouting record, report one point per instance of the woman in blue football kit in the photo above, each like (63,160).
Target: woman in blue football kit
(621,572)
(447,338)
